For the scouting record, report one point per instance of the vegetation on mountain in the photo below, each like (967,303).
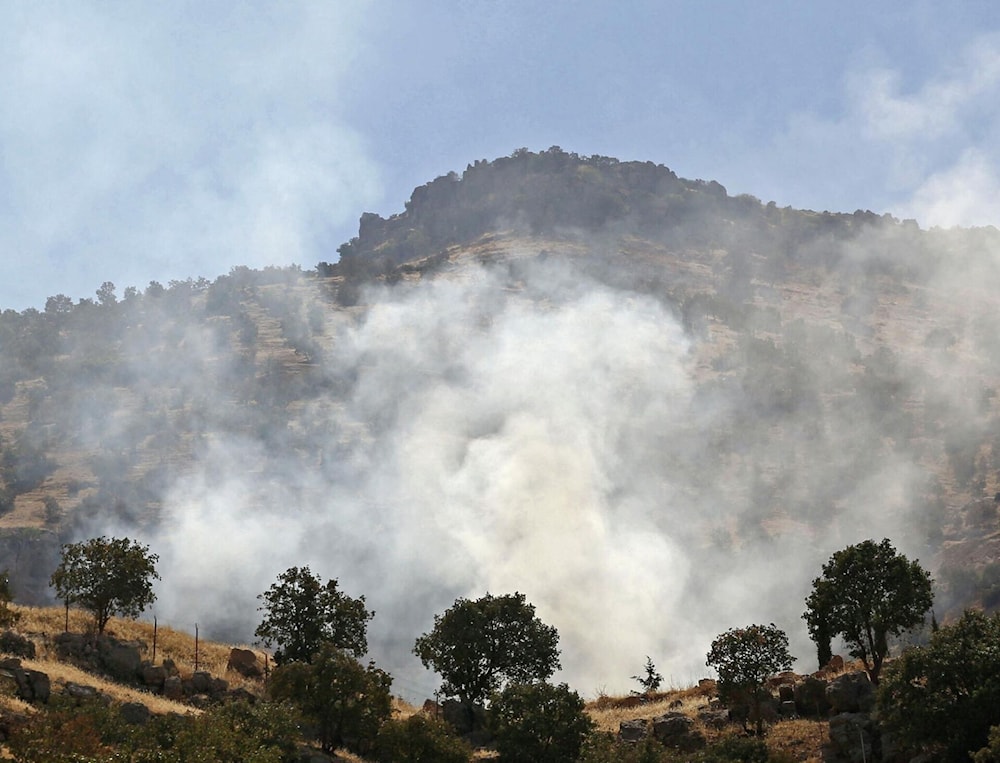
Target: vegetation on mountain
(941,699)
(745,658)
(650,680)
(106,576)
(840,348)
(868,592)
(420,739)
(301,613)
(345,701)
(478,646)
(538,721)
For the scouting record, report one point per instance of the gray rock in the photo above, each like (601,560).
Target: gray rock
(851,693)
(135,713)
(173,688)
(244,662)
(810,697)
(633,731)
(850,738)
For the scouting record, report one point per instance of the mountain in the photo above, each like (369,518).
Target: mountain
(653,407)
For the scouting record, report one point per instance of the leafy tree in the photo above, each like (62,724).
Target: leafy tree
(942,698)
(477,646)
(106,576)
(346,702)
(651,681)
(867,593)
(301,613)
(744,659)
(539,721)
(420,739)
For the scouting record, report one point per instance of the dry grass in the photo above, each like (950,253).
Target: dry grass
(42,624)
(799,739)
(61,673)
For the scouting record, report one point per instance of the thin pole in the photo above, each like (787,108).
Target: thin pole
(154,639)
(196,647)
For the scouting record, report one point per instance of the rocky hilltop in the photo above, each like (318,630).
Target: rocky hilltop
(753,382)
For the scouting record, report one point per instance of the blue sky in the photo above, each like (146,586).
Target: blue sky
(159,141)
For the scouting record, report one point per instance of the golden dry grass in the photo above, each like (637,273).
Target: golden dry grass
(799,739)
(42,624)
(61,673)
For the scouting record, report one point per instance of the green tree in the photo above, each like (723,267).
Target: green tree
(420,739)
(942,698)
(651,681)
(346,702)
(477,646)
(745,658)
(301,613)
(539,721)
(867,593)
(106,576)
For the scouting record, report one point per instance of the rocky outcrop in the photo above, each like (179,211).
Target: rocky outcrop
(244,662)
(851,693)
(29,685)
(677,731)
(852,739)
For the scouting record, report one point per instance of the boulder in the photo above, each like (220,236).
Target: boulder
(716,718)
(244,662)
(153,676)
(119,659)
(29,685)
(810,699)
(633,731)
(851,693)
(677,730)
(850,739)
(134,713)
(173,688)
(201,682)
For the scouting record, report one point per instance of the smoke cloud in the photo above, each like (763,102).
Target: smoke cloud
(528,427)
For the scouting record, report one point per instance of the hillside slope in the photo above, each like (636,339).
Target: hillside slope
(549,369)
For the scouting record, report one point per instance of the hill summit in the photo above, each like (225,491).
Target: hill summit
(550,369)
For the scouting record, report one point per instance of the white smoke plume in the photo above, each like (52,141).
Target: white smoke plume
(530,429)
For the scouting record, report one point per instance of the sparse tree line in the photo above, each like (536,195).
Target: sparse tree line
(496,659)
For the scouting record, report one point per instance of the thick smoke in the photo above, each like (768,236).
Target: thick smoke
(526,427)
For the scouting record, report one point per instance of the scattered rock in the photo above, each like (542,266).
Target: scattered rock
(850,739)
(677,730)
(633,731)
(244,662)
(851,693)
(173,688)
(154,676)
(29,685)
(134,713)
(810,697)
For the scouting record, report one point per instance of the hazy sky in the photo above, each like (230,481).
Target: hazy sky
(159,141)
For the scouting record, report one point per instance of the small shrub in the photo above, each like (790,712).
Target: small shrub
(738,749)
(420,739)
(533,722)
